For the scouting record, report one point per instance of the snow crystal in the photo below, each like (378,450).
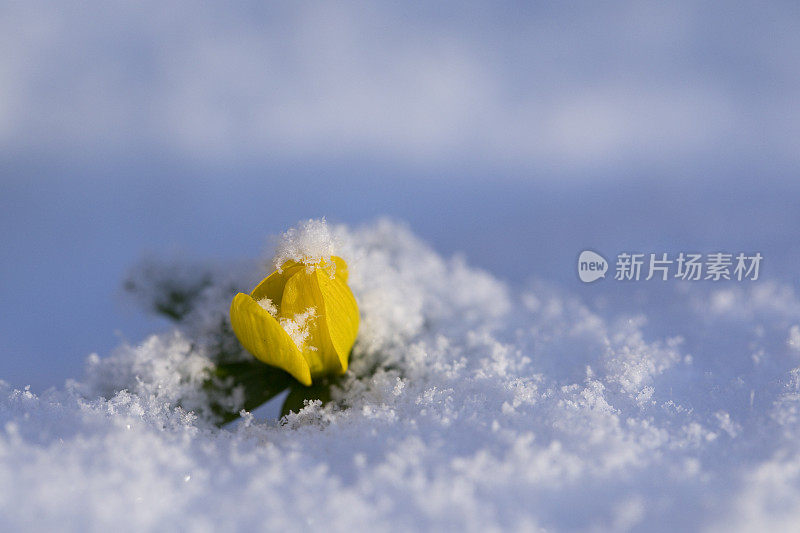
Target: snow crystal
(468,405)
(298,327)
(267,305)
(309,242)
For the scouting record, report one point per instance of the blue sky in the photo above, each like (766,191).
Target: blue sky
(514,134)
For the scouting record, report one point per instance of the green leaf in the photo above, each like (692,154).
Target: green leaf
(261,383)
(298,393)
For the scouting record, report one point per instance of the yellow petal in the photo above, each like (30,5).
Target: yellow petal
(341,268)
(272,286)
(301,293)
(341,313)
(263,336)
(334,330)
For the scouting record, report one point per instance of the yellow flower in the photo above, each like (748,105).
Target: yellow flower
(301,318)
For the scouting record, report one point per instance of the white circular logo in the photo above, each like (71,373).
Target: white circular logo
(591,266)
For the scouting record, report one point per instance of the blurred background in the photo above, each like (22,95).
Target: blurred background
(515,134)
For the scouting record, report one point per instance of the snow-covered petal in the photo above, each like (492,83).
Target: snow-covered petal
(262,335)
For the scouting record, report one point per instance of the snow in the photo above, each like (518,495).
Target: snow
(267,305)
(310,242)
(469,404)
(297,327)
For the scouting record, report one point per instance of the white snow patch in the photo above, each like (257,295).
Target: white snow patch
(267,305)
(469,407)
(310,242)
(298,327)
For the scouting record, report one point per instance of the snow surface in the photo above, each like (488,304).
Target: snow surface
(469,404)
